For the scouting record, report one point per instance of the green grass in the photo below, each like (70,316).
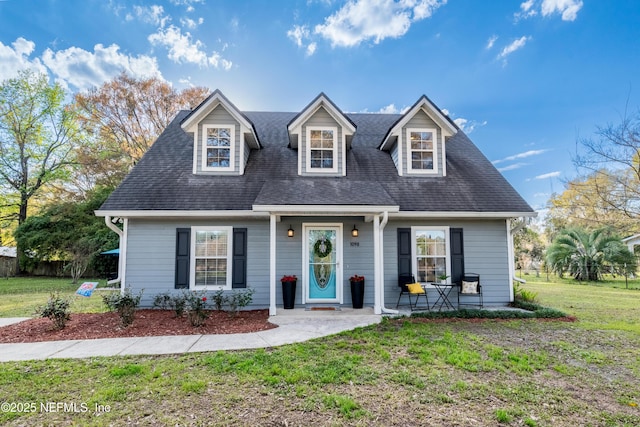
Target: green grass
(606,305)
(20,296)
(401,372)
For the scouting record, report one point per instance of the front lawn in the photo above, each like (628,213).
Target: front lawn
(20,296)
(399,373)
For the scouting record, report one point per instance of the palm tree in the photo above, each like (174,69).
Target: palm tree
(587,255)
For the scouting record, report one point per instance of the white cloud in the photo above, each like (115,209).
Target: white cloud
(361,20)
(191,23)
(15,58)
(512,47)
(468,126)
(182,48)
(83,69)
(526,10)
(522,155)
(151,15)
(568,8)
(549,175)
(298,34)
(492,40)
(311,49)
(512,167)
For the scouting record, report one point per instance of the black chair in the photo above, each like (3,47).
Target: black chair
(404,280)
(469,287)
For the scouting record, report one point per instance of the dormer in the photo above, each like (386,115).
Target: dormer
(417,141)
(223,137)
(322,135)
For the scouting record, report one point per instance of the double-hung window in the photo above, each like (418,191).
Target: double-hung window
(431,253)
(218,147)
(421,149)
(322,149)
(211,257)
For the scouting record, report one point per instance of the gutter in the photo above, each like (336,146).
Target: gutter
(380,262)
(120,233)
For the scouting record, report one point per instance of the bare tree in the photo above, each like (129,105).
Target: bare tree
(125,116)
(612,160)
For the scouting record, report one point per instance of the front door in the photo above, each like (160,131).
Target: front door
(323,263)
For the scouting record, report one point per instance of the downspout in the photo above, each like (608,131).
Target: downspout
(380,263)
(510,254)
(120,233)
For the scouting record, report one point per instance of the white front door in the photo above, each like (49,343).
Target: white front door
(322,258)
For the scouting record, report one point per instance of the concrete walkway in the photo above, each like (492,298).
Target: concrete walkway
(294,326)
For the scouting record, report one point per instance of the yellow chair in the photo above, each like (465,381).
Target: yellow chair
(417,290)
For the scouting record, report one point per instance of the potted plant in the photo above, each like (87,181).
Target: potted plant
(443,278)
(289,290)
(357,290)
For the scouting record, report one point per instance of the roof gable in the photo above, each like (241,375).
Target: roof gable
(425,105)
(320,101)
(217,98)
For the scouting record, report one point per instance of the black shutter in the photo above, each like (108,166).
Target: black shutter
(183,244)
(404,251)
(239,278)
(457,254)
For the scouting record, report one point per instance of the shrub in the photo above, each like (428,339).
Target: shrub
(162,301)
(167,301)
(178,303)
(196,304)
(240,299)
(124,303)
(57,310)
(523,294)
(219,299)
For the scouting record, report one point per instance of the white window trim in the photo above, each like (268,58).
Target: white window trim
(192,261)
(232,148)
(414,252)
(410,168)
(334,169)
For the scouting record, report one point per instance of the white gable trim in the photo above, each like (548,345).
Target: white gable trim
(191,123)
(431,111)
(322,101)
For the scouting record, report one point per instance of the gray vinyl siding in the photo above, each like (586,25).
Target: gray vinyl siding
(421,120)
(485,253)
(321,118)
(219,116)
(151,257)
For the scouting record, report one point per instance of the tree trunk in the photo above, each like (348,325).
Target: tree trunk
(22,216)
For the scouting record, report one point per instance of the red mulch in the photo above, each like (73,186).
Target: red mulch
(146,323)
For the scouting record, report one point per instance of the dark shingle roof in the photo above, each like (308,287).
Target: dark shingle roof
(163,179)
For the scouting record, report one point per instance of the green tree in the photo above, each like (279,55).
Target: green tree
(37,136)
(587,255)
(528,249)
(67,231)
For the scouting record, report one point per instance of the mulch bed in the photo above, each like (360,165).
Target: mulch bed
(147,323)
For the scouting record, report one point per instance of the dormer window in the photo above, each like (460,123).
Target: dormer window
(421,147)
(218,147)
(322,149)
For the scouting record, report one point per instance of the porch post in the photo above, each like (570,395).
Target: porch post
(272,265)
(377,280)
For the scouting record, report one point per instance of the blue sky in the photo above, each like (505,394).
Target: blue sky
(525,79)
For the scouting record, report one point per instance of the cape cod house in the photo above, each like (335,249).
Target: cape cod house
(230,199)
